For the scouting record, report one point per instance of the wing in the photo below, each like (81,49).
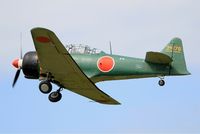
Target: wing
(55,59)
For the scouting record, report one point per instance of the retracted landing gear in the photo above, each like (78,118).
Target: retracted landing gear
(45,86)
(161,82)
(55,96)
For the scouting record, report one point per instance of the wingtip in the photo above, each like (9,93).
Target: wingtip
(108,102)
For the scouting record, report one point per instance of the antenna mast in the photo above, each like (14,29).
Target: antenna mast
(110,47)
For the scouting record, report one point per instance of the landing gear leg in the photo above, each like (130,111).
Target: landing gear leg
(55,96)
(161,82)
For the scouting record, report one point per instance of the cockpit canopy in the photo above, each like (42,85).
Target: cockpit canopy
(82,49)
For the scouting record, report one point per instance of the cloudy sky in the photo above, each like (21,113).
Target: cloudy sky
(134,27)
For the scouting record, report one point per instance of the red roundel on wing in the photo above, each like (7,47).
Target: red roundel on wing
(43,39)
(105,63)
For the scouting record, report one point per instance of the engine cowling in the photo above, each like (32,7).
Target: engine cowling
(30,65)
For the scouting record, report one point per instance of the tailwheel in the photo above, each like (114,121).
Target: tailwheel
(161,82)
(45,87)
(55,96)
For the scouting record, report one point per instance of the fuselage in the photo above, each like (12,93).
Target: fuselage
(120,67)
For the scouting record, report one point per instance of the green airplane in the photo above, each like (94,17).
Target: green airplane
(78,68)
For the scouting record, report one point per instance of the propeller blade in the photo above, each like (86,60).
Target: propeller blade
(16,77)
(20,45)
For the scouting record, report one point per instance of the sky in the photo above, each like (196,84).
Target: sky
(134,27)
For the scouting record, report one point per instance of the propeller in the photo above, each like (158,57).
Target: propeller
(17,63)
(16,77)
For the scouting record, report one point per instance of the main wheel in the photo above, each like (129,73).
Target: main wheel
(45,87)
(161,82)
(55,96)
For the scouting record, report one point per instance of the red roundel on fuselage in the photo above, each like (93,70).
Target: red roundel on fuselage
(105,63)
(43,39)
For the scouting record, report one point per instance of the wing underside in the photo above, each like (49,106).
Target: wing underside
(54,58)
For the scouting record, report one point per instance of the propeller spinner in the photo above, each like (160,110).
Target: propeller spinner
(17,63)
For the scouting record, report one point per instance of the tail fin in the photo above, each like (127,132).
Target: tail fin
(175,50)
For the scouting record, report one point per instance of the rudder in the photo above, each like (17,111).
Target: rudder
(175,50)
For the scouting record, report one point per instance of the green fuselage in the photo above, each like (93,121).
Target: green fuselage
(124,68)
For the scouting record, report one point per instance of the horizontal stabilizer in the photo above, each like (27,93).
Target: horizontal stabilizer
(158,58)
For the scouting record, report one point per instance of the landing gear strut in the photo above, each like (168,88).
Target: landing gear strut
(55,96)
(161,82)
(46,87)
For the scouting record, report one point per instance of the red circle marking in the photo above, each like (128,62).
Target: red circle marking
(43,39)
(105,63)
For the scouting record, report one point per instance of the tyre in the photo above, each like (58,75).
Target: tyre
(55,96)
(161,82)
(45,87)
